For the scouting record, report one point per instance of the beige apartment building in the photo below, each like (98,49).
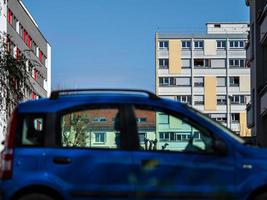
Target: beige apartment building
(207,71)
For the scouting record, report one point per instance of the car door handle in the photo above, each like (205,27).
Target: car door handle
(150,163)
(62,160)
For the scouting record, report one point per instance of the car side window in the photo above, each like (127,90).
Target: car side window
(91,128)
(166,132)
(33,131)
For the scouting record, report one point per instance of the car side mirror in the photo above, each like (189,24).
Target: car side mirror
(220,147)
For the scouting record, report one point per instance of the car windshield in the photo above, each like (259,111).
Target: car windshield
(218,125)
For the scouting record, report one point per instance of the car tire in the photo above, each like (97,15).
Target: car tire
(35,196)
(262,196)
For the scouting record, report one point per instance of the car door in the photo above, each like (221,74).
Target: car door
(177,160)
(93,159)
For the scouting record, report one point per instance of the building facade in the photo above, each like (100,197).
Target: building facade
(208,72)
(24,37)
(257,60)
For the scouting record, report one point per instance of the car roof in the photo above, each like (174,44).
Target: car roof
(46,105)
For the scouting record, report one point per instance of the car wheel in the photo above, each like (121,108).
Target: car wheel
(35,196)
(262,196)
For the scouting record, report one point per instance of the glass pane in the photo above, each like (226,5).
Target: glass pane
(174,134)
(32,131)
(92,128)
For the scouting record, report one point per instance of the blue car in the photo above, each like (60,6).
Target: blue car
(124,144)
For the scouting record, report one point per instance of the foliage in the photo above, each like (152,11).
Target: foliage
(15,72)
(76,133)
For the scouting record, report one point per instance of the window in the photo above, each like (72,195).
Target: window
(218,63)
(220,117)
(199,99)
(234,81)
(141,120)
(142,138)
(33,128)
(163,118)
(221,81)
(80,130)
(199,81)
(221,44)
(221,100)
(172,81)
(100,137)
(174,134)
(164,63)
(34,74)
(99,119)
(183,81)
(163,44)
(41,56)
(202,63)
(186,63)
(238,99)
(237,63)
(237,44)
(9,16)
(186,44)
(199,44)
(164,81)
(185,99)
(29,41)
(25,36)
(235,117)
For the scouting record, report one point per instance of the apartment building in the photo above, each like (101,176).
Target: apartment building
(256,58)
(23,36)
(207,71)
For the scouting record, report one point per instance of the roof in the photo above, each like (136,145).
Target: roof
(201,36)
(247,23)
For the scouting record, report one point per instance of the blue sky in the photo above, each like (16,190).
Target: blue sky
(110,43)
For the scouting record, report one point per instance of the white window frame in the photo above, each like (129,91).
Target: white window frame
(236,44)
(199,81)
(232,83)
(197,44)
(218,78)
(165,63)
(184,99)
(220,44)
(198,102)
(186,44)
(100,142)
(221,99)
(165,44)
(237,63)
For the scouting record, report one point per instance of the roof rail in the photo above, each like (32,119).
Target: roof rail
(56,94)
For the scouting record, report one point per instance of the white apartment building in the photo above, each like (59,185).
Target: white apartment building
(208,72)
(24,37)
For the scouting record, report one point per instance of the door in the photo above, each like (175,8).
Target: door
(177,160)
(93,159)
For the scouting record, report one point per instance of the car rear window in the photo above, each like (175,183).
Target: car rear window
(32,131)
